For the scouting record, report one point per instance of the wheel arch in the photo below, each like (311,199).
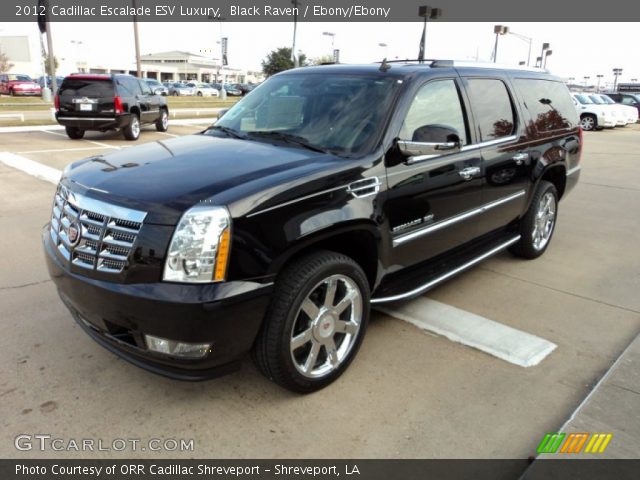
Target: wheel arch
(557,175)
(359,241)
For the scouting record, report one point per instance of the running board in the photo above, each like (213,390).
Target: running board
(441,277)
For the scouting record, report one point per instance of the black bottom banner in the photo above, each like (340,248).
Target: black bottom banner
(320,469)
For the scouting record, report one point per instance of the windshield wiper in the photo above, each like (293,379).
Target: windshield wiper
(289,138)
(229,131)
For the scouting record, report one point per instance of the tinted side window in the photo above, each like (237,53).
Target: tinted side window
(436,103)
(628,100)
(492,108)
(129,86)
(146,89)
(86,87)
(549,104)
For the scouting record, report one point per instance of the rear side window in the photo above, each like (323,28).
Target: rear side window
(129,86)
(86,87)
(492,108)
(549,104)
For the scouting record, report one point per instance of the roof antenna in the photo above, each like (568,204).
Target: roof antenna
(384,66)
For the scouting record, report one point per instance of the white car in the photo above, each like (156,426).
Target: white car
(592,115)
(629,113)
(204,90)
(619,114)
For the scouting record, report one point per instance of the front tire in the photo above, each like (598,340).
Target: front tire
(538,224)
(132,131)
(74,133)
(316,322)
(588,122)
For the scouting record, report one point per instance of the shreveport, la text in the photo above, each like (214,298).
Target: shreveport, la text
(177,469)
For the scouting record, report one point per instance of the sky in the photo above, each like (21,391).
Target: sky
(579,49)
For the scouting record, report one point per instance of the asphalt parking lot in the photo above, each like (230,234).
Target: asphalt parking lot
(408,394)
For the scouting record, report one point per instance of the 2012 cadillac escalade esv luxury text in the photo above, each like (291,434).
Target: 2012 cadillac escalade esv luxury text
(324,191)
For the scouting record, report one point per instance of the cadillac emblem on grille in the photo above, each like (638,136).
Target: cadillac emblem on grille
(73,234)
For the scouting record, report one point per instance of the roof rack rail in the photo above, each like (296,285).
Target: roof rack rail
(445,63)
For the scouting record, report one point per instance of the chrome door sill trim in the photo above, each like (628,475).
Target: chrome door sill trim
(573,170)
(458,218)
(447,275)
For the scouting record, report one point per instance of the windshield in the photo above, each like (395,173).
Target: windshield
(341,113)
(596,99)
(153,82)
(19,78)
(584,99)
(606,99)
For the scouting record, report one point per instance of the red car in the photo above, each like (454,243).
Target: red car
(18,84)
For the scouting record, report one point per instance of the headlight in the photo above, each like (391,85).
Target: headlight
(199,249)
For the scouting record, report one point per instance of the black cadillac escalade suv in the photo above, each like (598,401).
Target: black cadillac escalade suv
(325,190)
(109,102)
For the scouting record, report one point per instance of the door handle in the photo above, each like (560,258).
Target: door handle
(519,158)
(469,172)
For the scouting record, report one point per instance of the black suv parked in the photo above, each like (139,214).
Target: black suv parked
(631,99)
(108,102)
(324,191)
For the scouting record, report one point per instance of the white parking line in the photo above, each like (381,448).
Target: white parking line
(506,343)
(61,150)
(30,167)
(100,144)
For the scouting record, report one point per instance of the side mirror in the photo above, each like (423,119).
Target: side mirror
(429,141)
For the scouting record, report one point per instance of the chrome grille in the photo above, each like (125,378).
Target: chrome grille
(107,232)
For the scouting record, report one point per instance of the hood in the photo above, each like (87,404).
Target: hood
(165,178)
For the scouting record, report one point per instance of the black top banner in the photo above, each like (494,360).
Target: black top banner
(314,10)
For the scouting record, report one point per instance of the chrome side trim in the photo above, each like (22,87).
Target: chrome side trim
(290,202)
(455,219)
(573,170)
(489,143)
(446,276)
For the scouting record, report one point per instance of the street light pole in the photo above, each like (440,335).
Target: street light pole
(425,11)
(616,72)
(598,88)
(498,30)
(294,57)
(545,47)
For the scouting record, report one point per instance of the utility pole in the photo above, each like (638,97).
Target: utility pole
(136,39)
(294,57)
(52,59)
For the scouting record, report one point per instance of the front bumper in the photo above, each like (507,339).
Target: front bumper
(27,93)
(117,316)
(94,123)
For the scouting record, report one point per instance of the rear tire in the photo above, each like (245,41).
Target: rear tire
(175,94)
(162,124)
(315,323)
(538,224)
(132,131)
(74,133)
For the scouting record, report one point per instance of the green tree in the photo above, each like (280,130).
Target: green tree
(280,60)
(5,65)
(322,60)
(46,64)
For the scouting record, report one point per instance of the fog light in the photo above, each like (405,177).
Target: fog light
(178,349)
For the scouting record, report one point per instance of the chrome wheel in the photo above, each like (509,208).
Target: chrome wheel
(165,120)
(135,127)
(326,326)
(544,221)
(588,123)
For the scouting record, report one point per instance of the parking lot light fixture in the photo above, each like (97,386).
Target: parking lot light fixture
(425,11)
(599,78)
(548,52)
(616,73)
(498,30)
(333,37)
